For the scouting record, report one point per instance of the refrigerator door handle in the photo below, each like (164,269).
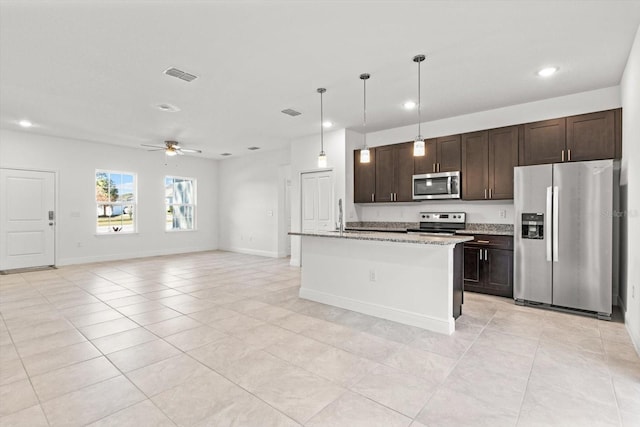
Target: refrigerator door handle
(556,221)
(547,222)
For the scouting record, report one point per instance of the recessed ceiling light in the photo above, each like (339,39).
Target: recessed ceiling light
(327,124)
(548,71)
(167,107)
(253,148)
(25,123)
(409,105)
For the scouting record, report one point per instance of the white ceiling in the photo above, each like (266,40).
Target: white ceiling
(93,70)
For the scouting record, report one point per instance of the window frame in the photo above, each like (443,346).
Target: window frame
(133,203)
(194,205)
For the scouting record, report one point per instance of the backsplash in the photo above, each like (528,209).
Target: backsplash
(479,212)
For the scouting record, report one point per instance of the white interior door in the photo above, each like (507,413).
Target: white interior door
(27,210)
(317,201)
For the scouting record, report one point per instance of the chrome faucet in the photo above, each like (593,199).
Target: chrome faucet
(340,219)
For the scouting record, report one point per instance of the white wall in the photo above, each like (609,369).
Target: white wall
(630,176)
(75,163)
(477,211)
(251,203)
(304,158)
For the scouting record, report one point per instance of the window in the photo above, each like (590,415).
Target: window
(180,199)
(115,202)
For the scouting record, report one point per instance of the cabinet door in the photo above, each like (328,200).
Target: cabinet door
(426,163)
(449,153)
(472,265)
(543,142)
(404,172)
(385,173)
(591,136)
(503,157)
(364,178)
(475,174)
(498,272)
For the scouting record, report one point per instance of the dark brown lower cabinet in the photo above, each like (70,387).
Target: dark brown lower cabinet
(488,265)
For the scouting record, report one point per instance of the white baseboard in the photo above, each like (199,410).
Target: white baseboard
(247,251)
(127,256)
(295,262)
(442,326)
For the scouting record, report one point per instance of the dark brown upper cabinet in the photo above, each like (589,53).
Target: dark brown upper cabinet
(503,157)
(475,165)
(442,155)
(404,173)
(364,178)
(543,142)
(394,171)
(591,136)
(488,159)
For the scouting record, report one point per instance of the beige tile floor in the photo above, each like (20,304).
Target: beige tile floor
(220,339)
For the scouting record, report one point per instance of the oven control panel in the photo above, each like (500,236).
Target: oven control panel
(457,217)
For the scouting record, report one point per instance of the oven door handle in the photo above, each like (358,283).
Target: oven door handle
(449,185)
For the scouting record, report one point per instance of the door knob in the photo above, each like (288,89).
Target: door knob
(50,223)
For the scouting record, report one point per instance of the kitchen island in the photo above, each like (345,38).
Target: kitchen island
(408,278)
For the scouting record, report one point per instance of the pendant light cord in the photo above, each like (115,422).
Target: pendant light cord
(364,113)
(321,124)
(419,103)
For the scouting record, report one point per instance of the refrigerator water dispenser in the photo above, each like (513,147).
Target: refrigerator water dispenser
(532,226)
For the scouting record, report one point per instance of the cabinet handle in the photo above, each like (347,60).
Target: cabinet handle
(480,254)
(485,255)
(490,194)
(372,197)
(434,168)
(485,193)
(569,154)
(563,155)
(483,241)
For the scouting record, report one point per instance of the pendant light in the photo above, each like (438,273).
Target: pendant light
(322,157)
(364,153)
(418,144)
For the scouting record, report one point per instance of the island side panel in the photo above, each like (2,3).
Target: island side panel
(412,283)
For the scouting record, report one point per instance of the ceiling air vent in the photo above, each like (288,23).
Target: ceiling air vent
(225,154)
(182,75)
(291,112)
(253,148)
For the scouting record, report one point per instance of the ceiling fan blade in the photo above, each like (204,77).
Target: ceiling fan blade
(157,149)
(179,152)
(188,150)
(153,146)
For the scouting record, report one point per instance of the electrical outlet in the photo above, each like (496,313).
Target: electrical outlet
(503,213)
(372,275)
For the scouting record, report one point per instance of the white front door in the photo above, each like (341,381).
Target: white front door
(317,201)
(27,218)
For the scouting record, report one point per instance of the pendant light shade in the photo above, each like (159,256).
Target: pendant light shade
(418,144)
(365,155)
(322,157)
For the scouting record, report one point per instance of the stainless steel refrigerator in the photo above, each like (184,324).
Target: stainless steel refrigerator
(563,235)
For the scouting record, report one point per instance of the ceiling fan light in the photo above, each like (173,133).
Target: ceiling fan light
(170,152)
(322,160)
(365,155)
(418,147)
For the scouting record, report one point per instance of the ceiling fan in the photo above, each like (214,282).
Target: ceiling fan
(171,148)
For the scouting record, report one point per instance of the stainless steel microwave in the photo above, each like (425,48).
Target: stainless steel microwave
(441,185)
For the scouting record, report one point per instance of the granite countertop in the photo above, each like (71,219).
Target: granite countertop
(390,237)
(492,229)
(401,227)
